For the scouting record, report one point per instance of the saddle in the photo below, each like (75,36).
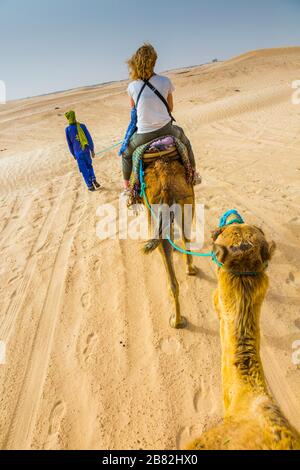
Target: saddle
(161,148)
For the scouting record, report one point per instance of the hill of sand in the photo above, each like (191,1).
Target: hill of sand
(91,361)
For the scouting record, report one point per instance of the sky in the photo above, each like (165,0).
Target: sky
(54,45)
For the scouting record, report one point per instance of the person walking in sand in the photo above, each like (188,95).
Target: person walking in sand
(151,100)
(81,146)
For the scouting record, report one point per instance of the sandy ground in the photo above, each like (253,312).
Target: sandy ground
(91,360)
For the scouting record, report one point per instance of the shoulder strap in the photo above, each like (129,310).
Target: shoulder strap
(160,96)
(140,94)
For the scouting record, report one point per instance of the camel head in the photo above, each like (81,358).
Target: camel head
(242,248)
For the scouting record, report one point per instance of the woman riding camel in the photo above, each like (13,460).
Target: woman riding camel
(151,97)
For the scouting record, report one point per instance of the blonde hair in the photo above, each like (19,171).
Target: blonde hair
(142,63)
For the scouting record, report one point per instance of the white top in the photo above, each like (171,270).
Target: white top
(152,112)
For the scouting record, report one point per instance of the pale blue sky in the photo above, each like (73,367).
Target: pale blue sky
(50,45)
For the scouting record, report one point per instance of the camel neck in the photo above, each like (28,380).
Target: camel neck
(240,300)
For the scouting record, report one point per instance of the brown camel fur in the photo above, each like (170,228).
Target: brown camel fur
(166,185)
(253,420)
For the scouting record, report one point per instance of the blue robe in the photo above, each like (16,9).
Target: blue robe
(83,157)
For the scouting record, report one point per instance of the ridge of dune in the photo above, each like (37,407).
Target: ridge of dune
(91,360)
(257,53)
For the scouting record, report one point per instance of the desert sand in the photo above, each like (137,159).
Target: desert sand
(91,360)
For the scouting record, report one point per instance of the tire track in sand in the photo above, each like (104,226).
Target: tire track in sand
(24,417)
(7,326)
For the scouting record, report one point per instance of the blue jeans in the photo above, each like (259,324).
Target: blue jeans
(85,166)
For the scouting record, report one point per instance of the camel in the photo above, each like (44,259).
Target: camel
(253,420)
(166,185)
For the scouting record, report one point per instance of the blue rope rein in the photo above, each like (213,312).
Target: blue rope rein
(109,148)
(223,223)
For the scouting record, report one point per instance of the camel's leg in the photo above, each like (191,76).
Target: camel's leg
(192,270)
(176,321)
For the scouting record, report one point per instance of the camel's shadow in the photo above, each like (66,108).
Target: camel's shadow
(200,330)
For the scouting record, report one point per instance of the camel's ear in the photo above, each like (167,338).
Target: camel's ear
(272,249)
(216,233)
(221,252)
(258,228)
(268,251)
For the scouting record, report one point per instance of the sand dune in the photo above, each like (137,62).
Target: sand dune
(91,360)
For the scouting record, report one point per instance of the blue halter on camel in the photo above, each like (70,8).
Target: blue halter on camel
(224,219)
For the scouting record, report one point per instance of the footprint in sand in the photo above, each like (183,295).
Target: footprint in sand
(86,300)
(97,266)
(183,438)
(206,407)
(124,420)
(13,279)
(13,295)
(56,416)
(294,279)
(84,245)
(44,246)
(297,323)
(170,346)
(204,400)
(295,220)
(37,218)
(186,436)
(80,208)
(90,347)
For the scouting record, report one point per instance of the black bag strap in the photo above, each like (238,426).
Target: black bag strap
(160,96)
(140,94)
